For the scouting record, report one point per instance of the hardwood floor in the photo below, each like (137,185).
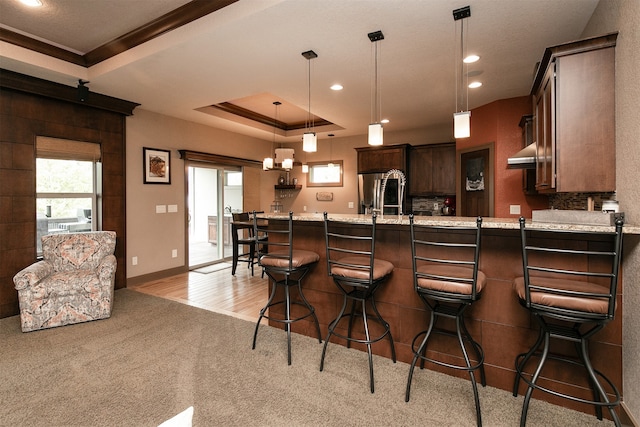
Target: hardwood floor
(240,296)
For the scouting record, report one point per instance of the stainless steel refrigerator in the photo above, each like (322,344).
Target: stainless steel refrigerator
(369,194)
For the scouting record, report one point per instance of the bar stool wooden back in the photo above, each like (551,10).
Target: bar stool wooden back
(571,292)
(352,264)
(242,236)
(285,267)
(447,279)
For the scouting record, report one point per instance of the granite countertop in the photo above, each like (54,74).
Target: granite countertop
(450,221)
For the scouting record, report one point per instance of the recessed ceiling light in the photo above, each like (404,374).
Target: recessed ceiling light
(336,87)
(471,59)
(384,121)
(31,3)
(474,85)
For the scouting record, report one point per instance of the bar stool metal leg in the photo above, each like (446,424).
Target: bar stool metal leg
(332,327)
(387,327)
(262,315)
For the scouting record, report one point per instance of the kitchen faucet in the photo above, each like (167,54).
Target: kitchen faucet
(402,181)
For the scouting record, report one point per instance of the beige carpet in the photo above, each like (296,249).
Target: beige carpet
(153,358)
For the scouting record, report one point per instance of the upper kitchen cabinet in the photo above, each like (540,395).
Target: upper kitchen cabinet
(432,170)
(382,159)
(574,118)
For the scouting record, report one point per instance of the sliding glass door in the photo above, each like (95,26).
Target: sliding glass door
(214,193)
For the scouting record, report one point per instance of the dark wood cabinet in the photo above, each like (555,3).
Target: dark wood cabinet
(574,117)
(382,159)
(432,170)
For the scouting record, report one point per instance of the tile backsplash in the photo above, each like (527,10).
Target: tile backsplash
(427,204)
(567,201)
(578,201)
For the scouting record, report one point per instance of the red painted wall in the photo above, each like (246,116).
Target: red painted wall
(497,122)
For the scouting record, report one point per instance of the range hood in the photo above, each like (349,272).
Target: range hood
(523,159)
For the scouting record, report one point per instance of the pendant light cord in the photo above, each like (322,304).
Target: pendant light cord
(309,119)
(462,79)
(376,102)
(275,125)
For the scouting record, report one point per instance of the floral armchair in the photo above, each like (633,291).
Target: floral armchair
(73,283)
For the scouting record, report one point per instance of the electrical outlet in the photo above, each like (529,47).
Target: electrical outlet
(304,208)
(174,253)
(134,260)
(514,209)
(350,205)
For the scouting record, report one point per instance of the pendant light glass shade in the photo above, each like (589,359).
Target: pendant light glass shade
(462,124)
(267,163)
(287,164)
(309,142)
(375,134)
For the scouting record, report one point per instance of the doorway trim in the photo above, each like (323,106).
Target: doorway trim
(191,158)
(490,184)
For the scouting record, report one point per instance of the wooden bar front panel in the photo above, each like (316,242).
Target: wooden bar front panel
(496,321)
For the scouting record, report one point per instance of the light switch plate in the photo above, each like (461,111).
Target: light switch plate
(161,209)
(173,208)
(514,209)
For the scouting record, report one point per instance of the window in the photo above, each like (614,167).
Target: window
(67,187)
(325,174)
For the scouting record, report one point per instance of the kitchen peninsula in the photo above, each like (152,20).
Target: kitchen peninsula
(497,321)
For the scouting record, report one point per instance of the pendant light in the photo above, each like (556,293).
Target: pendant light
(309,138)
(375,127)
(287,164)
(461,118)
(267,163)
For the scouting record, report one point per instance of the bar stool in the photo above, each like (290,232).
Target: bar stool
(358,274)
(447,280)
(285,267)
(242,224)
(570,301)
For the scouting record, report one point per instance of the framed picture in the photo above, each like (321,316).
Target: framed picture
(157,166)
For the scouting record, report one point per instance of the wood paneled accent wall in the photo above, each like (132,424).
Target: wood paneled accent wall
(24,114)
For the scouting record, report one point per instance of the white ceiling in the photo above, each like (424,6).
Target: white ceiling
(254,47)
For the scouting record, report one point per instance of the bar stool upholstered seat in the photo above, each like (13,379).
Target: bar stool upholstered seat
(285,267)
(571,292)
(357,273)
(447,279)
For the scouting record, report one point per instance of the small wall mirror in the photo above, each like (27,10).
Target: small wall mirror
(325,174)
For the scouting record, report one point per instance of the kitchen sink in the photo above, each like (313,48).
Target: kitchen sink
(561,216)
